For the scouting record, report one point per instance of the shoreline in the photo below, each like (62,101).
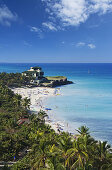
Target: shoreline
(38,97)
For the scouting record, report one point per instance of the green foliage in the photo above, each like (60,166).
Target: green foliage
(13,138)
(14,79)
(35,146)
(36,68)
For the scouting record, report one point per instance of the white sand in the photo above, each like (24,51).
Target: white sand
(37,96)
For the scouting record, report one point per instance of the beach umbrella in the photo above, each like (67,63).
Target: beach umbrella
(48,109)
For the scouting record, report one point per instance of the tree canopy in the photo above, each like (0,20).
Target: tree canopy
(14,79)
(36,146)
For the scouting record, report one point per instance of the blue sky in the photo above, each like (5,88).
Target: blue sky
(55,31)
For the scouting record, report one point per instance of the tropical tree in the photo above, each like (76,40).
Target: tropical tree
(83,130)
(47,155)
(42,115)
(17,100)
(77,156)
(26,103)
(103,158)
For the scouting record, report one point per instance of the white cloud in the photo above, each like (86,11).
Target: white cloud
(80,44)
(92,46)
(38,31)
(34,29)
(71,12)
(49,25)
(83,44)
(6,16)
(75,12)
(101,6)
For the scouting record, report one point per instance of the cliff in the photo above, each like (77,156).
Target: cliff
(55,81)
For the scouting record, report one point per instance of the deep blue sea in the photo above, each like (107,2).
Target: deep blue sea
(86,102)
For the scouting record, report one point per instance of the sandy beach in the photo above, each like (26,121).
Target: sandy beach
(38,97)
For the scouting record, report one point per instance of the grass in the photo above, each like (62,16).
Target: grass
(56,78)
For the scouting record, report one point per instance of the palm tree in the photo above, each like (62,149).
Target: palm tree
(26,103)
(76,156)
(42,115)
(103,157)
(17,100)
(83,130)
(65,143)
(43,155)
(46,153)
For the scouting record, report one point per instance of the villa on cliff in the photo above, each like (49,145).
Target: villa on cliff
(37,78)
(36,73)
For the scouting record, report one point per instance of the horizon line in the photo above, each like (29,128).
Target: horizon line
(55,62)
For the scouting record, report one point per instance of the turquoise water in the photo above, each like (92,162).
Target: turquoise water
(86,102)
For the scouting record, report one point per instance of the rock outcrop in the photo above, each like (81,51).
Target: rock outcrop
(55,81)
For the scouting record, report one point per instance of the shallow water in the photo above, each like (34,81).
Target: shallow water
(86,102)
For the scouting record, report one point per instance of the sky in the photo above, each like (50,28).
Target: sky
(56,31)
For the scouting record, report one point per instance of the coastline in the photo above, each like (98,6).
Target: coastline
(38,97)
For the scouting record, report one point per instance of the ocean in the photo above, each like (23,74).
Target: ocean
(86,102)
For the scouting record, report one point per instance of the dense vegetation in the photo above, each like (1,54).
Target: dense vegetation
(34,145)
(14,79)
